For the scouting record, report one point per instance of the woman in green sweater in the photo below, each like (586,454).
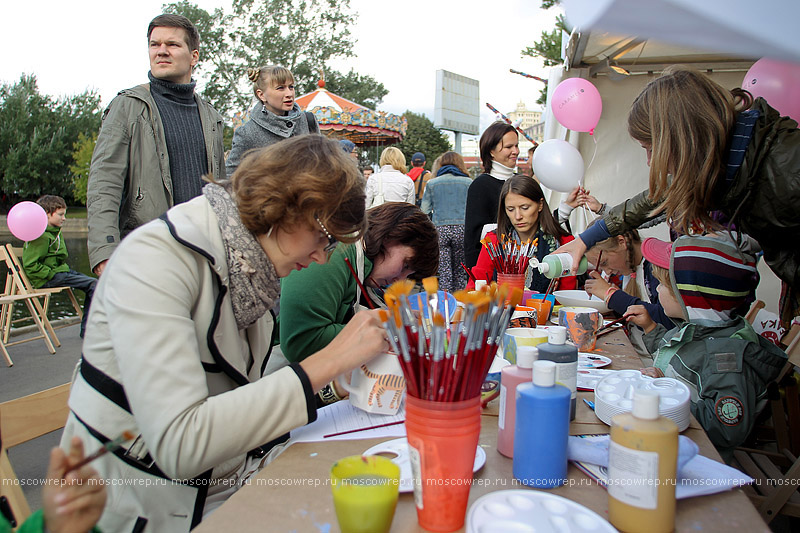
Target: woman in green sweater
(318,301)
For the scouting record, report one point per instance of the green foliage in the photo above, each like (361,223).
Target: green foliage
(83,149)
(364,90)
(422,136)
(37,134)
(301,35)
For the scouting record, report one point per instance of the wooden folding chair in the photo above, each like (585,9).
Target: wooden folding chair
(20,284)
(775,492)
(753,312)
(6,302)
(22,420)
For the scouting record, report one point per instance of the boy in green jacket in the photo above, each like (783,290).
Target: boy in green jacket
(45,259)
(704,280)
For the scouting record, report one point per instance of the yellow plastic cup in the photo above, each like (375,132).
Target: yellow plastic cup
(365,491)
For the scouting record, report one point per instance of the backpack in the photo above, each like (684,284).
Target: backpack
(418,187)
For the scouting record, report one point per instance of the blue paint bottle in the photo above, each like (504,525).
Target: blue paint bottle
(542,428)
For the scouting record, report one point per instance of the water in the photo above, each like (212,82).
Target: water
(60,305)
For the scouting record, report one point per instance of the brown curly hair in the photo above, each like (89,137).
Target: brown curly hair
(403,223)
(289,183)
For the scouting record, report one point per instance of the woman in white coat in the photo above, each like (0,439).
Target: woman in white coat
(390,184)
(181,327)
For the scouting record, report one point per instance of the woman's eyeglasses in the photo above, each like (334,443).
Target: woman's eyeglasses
(332,242)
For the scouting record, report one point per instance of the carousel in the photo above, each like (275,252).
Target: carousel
(341,118)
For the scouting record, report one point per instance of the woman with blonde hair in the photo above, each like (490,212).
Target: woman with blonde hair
(445,199)
(275,117)
(390,184)
(715,152)
(181,328)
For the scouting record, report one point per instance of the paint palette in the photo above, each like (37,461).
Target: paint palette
(614,395)
(526,511)
(397,451)
(591,360)
(588,378)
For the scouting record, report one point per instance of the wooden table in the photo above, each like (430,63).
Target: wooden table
(293,492)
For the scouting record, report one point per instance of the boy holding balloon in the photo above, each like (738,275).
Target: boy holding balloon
(45,258)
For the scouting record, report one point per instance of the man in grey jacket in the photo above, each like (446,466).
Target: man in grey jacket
(156,142)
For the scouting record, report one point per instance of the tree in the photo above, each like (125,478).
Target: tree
(301,35)
(81,162)
(422,136)
(37,134)
(549,46)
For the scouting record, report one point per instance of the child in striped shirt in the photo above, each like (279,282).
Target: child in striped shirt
(704,282)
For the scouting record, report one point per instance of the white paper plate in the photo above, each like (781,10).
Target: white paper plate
(580,299)
(518,511)
(592,360)
(399,447)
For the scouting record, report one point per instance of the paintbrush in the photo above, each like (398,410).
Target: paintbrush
(360,286)
(596,269)
(109,446)
(612,323)
(363,429)
(431,286)
(469,272)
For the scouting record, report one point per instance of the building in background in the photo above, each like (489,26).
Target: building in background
(525,117)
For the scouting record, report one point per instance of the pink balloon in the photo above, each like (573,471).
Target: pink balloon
(27,221)
(577,105)
(778,83)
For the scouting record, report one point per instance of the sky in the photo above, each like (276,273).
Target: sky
(101,45)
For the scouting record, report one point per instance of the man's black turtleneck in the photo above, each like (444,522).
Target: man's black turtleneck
(183,132)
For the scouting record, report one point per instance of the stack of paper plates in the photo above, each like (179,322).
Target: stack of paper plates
(614,394)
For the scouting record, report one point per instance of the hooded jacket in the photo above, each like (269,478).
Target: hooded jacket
(725,364)
(129,178)
(42,258)
(265,128)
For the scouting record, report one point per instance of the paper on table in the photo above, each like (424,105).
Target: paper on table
(342,416)
(698,477)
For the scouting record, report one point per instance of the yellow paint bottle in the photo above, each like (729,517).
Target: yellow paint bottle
(642,464)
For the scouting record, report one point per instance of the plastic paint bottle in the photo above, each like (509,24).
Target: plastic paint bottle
(559,265)
(542,429)
(565,356)
(510,378)
(642,465)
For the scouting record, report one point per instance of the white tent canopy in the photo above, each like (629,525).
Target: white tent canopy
(767,28)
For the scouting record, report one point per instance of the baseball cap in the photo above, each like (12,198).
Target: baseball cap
(418,156)
(657,251)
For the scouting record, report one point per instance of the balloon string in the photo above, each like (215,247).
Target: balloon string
(594,153)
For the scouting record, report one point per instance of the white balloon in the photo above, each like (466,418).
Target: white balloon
(558,165)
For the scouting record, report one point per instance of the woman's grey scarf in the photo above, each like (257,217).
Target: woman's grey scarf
(253,282)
